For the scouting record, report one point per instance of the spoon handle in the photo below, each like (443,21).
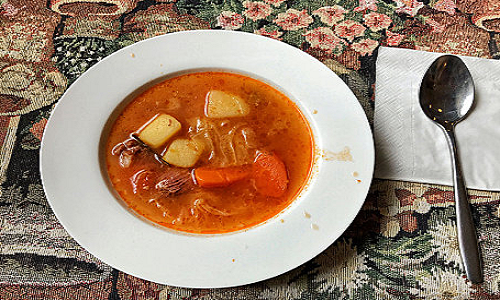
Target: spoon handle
(467,239)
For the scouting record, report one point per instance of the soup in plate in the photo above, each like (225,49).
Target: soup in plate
(209,152)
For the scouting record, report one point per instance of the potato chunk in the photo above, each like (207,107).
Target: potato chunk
(183,153)
(220,104)
(159,130)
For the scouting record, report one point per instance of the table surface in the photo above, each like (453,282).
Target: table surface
(402,244)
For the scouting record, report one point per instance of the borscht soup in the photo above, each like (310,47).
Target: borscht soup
(209,152)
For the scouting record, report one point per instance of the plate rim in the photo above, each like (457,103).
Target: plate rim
(49,128)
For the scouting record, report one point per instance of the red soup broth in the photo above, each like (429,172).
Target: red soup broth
(248,169)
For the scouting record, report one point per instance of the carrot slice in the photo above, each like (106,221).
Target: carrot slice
(220,177)
(270,174)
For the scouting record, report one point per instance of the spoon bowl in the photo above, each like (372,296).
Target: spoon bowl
(446,97)
(447,91)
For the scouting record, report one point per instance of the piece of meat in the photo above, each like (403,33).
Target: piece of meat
(127,150)
(175,181)
(127,145)
(142,180)
(125,159)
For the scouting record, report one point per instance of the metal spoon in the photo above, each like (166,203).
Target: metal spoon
(446,96)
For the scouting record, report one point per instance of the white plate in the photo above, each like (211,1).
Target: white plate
(79,195)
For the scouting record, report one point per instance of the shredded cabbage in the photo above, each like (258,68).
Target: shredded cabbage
(229,143)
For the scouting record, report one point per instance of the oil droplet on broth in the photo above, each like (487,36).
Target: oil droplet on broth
(355,174)
(315,111)
(282,221)
(233,259)
(132,55)
(314,227)
(307,215)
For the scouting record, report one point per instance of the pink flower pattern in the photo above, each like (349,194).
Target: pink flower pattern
(366,5)
(256,10)
(274,34)
(323,38)
(365,46)
(293,19)
(409,7)
(447,6)
(8,9)
(362,28)
(275,2)
(230,20)
(376,21)
(393,38)
(436,26)
(330,15)
(349,29)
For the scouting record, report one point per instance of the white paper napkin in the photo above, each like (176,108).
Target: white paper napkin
(410,147)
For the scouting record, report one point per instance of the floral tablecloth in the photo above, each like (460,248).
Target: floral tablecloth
(403,243)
